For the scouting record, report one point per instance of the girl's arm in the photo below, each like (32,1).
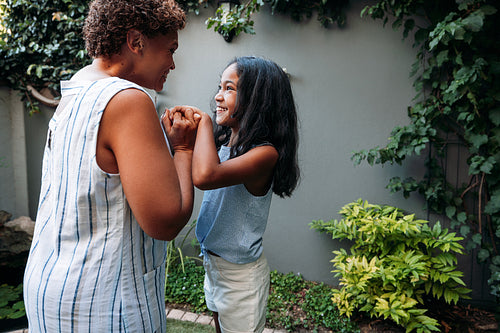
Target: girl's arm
(158,187)
(254,169)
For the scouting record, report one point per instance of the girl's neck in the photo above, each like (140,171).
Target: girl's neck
(233,138)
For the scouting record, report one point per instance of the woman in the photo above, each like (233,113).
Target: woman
(111,192)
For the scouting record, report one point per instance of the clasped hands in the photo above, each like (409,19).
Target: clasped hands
(181,123)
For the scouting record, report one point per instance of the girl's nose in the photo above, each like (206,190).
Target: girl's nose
(218,96)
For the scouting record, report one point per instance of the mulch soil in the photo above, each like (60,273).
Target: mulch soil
(452,319)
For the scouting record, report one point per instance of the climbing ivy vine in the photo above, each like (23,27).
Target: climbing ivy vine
(456,74)
(457,80)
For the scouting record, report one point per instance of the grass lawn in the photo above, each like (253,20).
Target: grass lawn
(179,326)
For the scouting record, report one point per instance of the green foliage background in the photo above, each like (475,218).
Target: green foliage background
(41,44)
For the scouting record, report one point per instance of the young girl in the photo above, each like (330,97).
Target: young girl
(256,139)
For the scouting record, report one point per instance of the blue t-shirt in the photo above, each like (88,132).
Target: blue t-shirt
(232,221)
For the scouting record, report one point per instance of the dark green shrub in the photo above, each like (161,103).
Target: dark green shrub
(11,302)
(297,303)
(186,287)
(41,44)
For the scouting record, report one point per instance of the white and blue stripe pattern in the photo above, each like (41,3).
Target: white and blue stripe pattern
(91,268)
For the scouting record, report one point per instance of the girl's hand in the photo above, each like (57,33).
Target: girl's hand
(180,125)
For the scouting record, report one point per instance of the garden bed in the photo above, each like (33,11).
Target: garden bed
(298,305)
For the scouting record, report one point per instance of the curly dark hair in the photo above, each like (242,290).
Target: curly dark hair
(108,21)
(265,110)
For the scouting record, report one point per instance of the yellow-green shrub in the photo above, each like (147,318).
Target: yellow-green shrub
(396,264)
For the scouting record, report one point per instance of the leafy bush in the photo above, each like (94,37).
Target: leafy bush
(11,302)
(283,303)
(296,303)
(397,265)
(186,287)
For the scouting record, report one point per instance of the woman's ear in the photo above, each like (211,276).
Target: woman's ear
(135,41)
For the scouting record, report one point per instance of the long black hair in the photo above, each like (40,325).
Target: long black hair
(266,113)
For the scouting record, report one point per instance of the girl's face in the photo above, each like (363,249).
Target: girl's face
(226,98)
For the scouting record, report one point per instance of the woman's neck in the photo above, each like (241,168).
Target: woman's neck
(99,69)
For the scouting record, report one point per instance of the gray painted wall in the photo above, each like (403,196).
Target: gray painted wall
(13,174)
(6,170)
(351,87)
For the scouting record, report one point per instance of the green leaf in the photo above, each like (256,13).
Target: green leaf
(478,140)
(442,57)
(493,206)
(483,254)
(39,71)
(494,116)
(464,230)
(450,211)
(477,239)
(462,217)
(487,166)
(488,10)
(473,22)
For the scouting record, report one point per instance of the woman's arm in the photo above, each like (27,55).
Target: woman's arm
(254,169)
(158,188)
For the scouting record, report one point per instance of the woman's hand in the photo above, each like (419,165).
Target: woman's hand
(181,123)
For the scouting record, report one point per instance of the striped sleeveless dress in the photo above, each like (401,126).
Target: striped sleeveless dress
(91,268)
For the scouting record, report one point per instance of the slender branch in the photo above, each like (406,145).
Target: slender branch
(492,235)
(470,187)
(38,96)
(480,196)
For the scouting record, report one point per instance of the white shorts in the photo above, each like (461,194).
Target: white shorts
(238,293)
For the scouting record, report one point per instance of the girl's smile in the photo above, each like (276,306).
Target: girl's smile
(220,109)
(226,99)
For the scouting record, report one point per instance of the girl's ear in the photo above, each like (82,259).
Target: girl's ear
(135,41)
